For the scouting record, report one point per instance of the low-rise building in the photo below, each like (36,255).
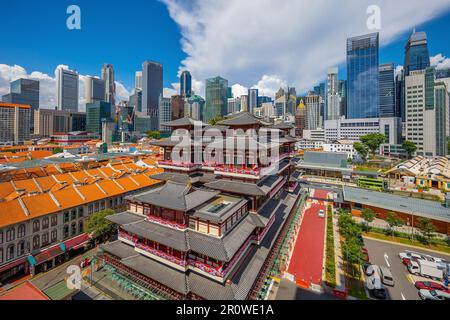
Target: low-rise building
(341,146)
(15,123)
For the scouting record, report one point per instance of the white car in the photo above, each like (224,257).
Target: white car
(433,295)
(322,214)
(410,255)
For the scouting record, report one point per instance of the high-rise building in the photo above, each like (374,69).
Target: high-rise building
(333,103)
(152,89)
(48,122)
(15,123)
(427,112)
(252,99)
(67,87)
(195,106)
(96,114)
(177,103)
(138,80)
(343,97)
(165,113)
(400,95)
(135,100)
(300,118)
(186,84)
(234,105)
(362,75)
(387,91)
(110,84)
(26,92)
(417,56)
(291,101)
(313,118)
(244,103)
(94,89)
(281,100)
(216,98)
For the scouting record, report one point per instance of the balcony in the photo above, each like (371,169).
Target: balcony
(177,165)
(167,223)
(178,261)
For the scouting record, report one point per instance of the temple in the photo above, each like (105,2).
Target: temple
(211,230)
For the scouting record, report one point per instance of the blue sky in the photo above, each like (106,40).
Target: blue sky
(125,33)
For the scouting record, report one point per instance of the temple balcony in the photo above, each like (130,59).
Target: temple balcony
(177,165)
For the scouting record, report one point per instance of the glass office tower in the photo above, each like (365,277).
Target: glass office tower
(216,98)
(417,56)
(362,76)
(186,84)
(387,91)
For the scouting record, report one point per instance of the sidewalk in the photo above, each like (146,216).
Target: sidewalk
(340,274)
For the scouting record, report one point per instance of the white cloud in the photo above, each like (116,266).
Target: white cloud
(440,61)
(239,90)
(269,85)
(48,85)
(296,40)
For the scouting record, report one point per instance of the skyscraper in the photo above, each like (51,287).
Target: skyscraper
(26,92)
(67,87)
(362,76)
(94,89)
(152,89)
(343,97)
(165,113)
(15,123)
(138,80)
(313,117)
(186,84)
(97,113)
(177,103)
(417,56)
(244,103)
(110,85)
(333,105)
(195,105)
(252,99)
(387,91)
(216,98)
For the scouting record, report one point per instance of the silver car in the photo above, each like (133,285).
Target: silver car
(433,295)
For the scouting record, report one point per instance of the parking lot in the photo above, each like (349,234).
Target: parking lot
(386,254)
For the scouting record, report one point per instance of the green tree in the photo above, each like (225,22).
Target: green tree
(394,221)
(154,135)
(351,250)
(373,142)
(369,216)
(214,121)
(427,229)
(410,147)
(362,150)
(57,150)
(97,225)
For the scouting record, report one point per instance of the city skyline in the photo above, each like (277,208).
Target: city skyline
(391,50)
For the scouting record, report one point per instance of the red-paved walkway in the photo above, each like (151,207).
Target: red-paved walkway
(307,260)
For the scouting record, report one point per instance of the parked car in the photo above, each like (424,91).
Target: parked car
(322,214)
(365,255)
(368,270)
(374,284)
(410,255)
(407,261)
(430,285)
(427,269)
(433,295)
(386,276)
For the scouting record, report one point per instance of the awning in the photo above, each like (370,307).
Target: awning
(46,255)
(77,242)
(13,264)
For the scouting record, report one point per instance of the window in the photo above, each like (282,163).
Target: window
(54,235)
(73,229)
(54,220)
(36,226)
(45,239)
(10,235)
(21,248)
(45,223)
(10,253)
(36,242)
(21,231)
(80,212)
(66,217)
(80,227)
(90,209)
(1,237)
(73,215)
(66,231)
(103,204)
(1,255)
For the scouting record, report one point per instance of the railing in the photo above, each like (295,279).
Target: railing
(246,171)
(167,223)
(238,255)
(177,164)
(161,254)
(216,272)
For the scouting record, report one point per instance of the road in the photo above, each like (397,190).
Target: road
(386,254)
(307,259)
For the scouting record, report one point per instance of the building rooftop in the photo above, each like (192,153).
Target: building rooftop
(418,207)
(243,119)
(176,196)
